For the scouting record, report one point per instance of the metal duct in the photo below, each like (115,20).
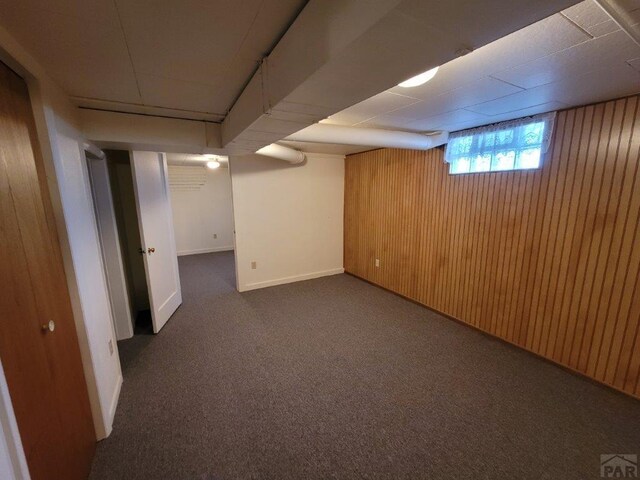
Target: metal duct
(282,153)
(368,137)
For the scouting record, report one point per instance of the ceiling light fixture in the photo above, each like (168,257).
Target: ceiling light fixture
(419,79)
(209,155)
(213,165)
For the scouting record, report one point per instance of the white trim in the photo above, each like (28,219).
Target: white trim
(13,464)
(112,407)
(295,278)
(205,250)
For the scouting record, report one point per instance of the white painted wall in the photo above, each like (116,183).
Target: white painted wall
(85,273)
(288,219)
(201,203)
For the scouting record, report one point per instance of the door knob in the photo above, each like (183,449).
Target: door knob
(49,327)
(151,250)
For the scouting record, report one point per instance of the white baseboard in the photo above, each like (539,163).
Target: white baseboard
(205,250)
(112,408)
(295,278)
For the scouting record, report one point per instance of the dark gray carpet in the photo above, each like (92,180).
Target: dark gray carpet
(335,378)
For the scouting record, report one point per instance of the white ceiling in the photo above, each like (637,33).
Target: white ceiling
(575,57)
(187,58)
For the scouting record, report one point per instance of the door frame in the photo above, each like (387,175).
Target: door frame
(111,254)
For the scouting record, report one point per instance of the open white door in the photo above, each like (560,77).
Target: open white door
(156,232)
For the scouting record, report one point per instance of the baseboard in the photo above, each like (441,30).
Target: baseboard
(112,408)
(205,250)
(295,278)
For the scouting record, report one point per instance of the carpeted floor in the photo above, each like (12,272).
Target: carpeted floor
(335,378)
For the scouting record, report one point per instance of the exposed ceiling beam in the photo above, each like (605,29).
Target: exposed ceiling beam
(340,52)
(144,132)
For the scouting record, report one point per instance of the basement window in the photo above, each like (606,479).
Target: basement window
(514,145)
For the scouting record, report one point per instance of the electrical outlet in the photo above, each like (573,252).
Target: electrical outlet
(111,347)
(215,235)
(377,262)
(254,265)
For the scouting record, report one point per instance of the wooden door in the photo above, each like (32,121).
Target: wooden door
(42,366)
(151,186)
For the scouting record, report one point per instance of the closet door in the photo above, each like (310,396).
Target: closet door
(156,232)
(38,341)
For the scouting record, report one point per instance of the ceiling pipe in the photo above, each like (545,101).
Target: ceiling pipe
(368,137)
(621,17)
(282,153)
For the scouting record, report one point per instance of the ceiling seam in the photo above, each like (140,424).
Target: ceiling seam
(115,103)
(149,115)
(579,27)
(126,44)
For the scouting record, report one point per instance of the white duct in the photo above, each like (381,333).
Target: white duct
(282,153)
(368,137)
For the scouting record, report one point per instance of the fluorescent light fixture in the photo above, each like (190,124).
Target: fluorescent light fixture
(213,165)
(419,79)
(210,155)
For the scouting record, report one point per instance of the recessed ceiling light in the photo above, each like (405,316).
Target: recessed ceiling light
(213,165)
(419,79)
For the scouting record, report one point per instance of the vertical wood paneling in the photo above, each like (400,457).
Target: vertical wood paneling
(547,259)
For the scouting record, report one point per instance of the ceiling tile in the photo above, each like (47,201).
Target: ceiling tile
(535,41)
(437,122)
(609,82)
(479,91)
(603,28)
(97,66)
(607,50)
(189,40)
(179,94)
(635,63)
(586,14)
(382,103)
(210,43)
(525,112)
(518,101)
(80,10)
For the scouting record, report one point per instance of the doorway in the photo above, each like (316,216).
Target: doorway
(132,206)
(38,339)
(203,212)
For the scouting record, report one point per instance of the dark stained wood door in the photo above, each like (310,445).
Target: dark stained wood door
(43,367)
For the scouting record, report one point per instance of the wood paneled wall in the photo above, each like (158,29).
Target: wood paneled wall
(547,259)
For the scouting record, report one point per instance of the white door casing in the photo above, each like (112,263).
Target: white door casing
(110,244)
(151,186)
